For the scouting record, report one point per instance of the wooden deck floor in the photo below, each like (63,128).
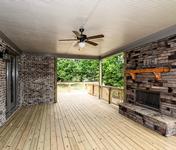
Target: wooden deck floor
(78,122)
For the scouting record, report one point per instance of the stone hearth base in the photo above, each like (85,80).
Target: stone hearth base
(163,124)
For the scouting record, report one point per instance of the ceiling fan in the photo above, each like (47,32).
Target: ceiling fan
(83,38)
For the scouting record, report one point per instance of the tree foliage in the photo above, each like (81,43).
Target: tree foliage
(113,70)
(78,70)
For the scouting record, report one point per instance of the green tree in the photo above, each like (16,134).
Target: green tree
(69,70)
(65,69)
(113,70)
(89,70)
(77,70)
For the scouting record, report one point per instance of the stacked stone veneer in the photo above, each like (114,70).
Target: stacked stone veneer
(37,79)
(161,53)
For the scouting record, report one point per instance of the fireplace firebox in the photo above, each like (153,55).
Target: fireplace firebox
(148,99)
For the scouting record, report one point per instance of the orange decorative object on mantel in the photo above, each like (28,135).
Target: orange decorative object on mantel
(156,71)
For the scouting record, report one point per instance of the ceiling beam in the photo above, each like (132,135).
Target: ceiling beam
(63,55)
(148,39)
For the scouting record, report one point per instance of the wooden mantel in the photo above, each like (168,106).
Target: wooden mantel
(156,71)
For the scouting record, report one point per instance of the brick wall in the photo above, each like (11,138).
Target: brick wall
(160,53)
(2,86)
(3,82)
(2,92)
(36,79)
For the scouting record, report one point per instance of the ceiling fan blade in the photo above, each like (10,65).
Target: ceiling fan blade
(68,40)
(95,36)
(92,43)
(76,33)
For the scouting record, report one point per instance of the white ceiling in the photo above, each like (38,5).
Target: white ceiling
(37,25)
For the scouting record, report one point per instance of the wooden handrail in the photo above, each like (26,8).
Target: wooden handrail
(156,71)
(109,93)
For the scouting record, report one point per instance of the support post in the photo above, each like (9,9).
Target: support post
(100,77)
(55,80)
(124,68)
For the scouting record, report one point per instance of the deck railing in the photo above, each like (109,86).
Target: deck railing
(113,95)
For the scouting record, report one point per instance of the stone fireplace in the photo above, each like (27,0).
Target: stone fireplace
(151,85)
(148,99)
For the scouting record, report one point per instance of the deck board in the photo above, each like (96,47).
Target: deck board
(78,122)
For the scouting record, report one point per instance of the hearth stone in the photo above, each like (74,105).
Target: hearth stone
(154,120)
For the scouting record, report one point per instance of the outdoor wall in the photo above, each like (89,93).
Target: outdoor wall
(36,79)
(148,90)
(160,53)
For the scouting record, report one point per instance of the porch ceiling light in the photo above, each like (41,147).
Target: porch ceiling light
(82,44)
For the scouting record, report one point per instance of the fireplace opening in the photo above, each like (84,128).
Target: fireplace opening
(148,99)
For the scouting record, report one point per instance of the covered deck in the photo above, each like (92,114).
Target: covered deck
(33,34)
(78,121)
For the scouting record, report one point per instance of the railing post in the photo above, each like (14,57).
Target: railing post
(93,88)
(100,77)
(109,95)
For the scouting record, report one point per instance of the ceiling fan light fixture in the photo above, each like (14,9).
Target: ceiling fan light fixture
(83,39)
(82,44)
